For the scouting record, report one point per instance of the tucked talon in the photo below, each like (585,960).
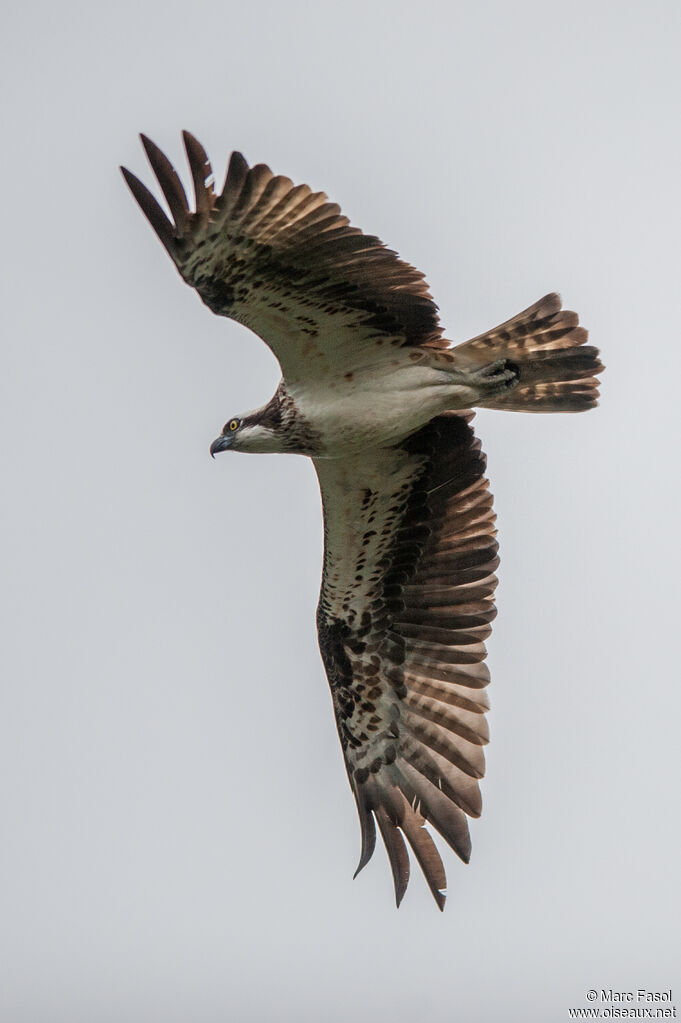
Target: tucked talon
(512,371)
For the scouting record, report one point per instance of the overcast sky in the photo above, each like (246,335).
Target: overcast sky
(179,836)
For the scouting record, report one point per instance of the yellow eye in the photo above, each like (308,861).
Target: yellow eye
(233,424)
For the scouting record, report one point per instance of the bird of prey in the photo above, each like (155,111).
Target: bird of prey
(382,403)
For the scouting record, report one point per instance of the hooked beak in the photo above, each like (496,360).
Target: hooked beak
(221,443)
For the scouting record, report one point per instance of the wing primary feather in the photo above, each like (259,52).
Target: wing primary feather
(276,193)
(237,173)
(451,694)
(470,761)
(253,187)
(397,852)
(448,818)
(151,210)
(428,857)
(367,828)
(170,183)
(279,217)
(171,186)
(474,730)
(202,175)
(457,786)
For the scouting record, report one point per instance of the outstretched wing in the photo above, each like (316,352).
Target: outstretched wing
(282,260)
(405,606)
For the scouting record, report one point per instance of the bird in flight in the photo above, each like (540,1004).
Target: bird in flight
(382,403)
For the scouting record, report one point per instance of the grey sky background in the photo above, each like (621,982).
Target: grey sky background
(178,832)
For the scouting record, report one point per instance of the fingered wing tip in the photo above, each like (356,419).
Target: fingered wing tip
(193,146)
(170,183)
(363,860)
(238,164)
(202,176)
(190,139)
(151,210)
(149,146)
(368,847)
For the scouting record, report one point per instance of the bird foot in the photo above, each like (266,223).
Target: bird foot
(498,377)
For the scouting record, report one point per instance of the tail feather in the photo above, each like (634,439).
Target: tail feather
(557,371)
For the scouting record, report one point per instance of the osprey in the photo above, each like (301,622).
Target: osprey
(373,393)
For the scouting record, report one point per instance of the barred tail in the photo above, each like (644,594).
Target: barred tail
(557,371)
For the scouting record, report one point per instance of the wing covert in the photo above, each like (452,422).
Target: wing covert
(405,607)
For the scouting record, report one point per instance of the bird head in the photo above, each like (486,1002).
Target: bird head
(247,433)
